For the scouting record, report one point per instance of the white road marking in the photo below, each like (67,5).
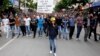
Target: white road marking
(7,43)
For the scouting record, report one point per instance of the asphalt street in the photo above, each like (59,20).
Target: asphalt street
(27,46)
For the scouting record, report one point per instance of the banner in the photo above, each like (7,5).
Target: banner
(45,6)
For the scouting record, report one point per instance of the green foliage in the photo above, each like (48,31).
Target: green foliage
(6,4)
(29,3)
(85,1)
(63,4)
(35,5)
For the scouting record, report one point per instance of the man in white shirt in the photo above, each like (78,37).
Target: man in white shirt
(27,24)
(5,23)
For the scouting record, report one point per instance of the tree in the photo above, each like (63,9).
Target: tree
(80,1)
(6,4)
(1,1)
(63,4)
(29,3)
(85,1)
(35,5)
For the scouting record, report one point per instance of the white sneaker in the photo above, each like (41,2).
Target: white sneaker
(55,54)
(50,52)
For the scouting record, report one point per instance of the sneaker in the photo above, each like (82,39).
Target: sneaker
(55,54)
(50,52)
(70,38)
(85,40)
(96,40)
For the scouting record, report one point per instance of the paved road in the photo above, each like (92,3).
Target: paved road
(27,46)
(4,40)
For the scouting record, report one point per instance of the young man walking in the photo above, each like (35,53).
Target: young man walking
(53,31)
(34,25)
(5,23)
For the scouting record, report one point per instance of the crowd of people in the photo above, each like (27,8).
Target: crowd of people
(51,25)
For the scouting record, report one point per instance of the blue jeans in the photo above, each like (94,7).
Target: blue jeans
(28,30)
(6,29)
(64,33)
(18,29)
(12,30)
(40,30)
(52,45)
(79,28)
(59,31)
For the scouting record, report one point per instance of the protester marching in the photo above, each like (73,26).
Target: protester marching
(54,26)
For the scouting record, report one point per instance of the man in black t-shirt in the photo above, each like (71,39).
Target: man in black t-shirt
(59,22)
(46,24)
(12,25)
(93,26)
(34,25)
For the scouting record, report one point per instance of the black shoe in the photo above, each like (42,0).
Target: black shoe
(96,40)
(18,35)
(85,40)
(0,35)
(13,35)
(33,36)
(66,39)
(89,37)
(59,37)
(99,38)
(70,38)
